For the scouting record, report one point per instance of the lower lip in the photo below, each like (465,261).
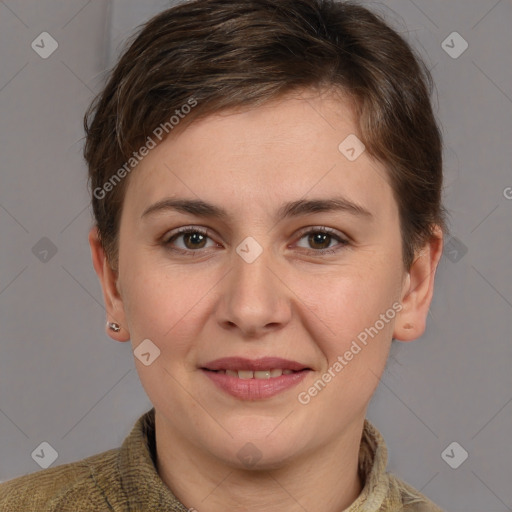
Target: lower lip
(255,389)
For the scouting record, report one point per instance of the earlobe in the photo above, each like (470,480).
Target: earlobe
(116,331)
(418,290)
(116,322)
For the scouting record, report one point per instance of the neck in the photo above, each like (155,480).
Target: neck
(326,478)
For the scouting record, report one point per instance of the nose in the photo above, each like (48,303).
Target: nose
(254,298)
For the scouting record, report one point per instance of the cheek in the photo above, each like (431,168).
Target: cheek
(348,301)
(353,339)
(163,305)
(166,304)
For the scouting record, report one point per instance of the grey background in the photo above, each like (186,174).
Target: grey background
(62,380)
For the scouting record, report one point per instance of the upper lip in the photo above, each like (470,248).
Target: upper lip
(264,363)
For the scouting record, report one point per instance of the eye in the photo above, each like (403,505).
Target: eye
(320,240)
(191,238)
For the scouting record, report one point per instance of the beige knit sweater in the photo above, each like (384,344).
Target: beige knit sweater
(125,480)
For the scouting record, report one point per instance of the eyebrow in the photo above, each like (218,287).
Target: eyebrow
(297,208)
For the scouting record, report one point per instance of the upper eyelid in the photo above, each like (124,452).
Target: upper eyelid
(322,229)
(185,229)
(208,231)
(343,239)
(166,238)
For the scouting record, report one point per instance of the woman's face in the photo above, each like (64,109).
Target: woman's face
(258,278)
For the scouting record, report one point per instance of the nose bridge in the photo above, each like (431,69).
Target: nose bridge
(254,299)
(252,267)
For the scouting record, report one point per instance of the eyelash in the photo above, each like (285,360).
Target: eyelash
(307,231)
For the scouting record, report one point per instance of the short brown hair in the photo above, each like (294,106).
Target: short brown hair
(223,54)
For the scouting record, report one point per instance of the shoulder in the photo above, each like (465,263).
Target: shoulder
(409,498)
(75,486)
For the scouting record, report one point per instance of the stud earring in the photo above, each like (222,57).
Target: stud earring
(113,326)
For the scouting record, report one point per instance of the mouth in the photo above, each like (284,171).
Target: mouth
(258,374)
(254,379)
(262,368)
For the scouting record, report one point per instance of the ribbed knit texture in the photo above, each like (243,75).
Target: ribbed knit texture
(125,480)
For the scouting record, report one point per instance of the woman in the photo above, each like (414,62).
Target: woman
(266,180)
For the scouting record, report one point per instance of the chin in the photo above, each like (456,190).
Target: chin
(258,452)
(255,458)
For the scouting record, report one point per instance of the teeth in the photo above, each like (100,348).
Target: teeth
(265,374)
(258,374)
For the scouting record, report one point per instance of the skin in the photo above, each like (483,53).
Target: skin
(291,302)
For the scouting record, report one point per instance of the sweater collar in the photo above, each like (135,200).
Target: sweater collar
(145,490)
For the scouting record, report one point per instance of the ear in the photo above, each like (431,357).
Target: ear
(108,280)
(418,289)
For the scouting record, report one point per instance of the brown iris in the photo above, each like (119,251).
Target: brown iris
(197,240)
(319,238)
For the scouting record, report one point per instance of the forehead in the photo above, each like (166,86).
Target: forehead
(260,157)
